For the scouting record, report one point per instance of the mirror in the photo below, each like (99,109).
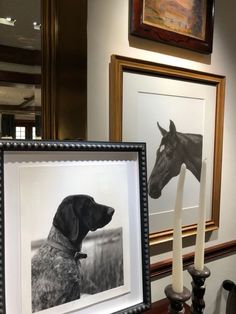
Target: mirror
(20,69)
(62,108)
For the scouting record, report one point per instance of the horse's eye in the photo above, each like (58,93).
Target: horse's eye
(162,148)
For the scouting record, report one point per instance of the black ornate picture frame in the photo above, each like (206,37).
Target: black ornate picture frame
(83,181)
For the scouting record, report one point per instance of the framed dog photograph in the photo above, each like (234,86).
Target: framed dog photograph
(74,221)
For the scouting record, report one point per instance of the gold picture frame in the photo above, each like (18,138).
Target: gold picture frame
(119,67)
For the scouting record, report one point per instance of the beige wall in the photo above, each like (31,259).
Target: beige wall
(108,34)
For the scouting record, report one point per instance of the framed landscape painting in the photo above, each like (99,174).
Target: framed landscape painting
(183,23)
(72,241)
(179,114)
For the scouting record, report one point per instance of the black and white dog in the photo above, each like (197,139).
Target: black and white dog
(56,266)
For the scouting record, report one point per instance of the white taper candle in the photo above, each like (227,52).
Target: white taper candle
(177,264)
(200,239)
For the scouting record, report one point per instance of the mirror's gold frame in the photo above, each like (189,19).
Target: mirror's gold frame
(64,69)
(49,37)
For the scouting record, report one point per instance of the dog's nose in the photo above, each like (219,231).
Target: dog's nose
(110,211)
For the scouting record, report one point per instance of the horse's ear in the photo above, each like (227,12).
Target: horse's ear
(163,131)
(172,128)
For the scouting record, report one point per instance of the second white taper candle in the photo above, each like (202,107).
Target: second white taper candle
(200,239)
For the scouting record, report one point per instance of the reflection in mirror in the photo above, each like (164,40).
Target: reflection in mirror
(20,69)
(20,111)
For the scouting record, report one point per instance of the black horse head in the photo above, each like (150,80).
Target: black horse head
(175,148)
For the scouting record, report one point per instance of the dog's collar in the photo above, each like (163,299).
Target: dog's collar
(75,254)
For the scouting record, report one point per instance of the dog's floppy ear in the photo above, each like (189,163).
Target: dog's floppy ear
(66,221)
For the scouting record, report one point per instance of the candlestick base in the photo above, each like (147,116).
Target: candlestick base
(198,288)
(177,300)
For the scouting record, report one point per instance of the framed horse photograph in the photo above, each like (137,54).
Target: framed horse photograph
(179,113)
(72,241)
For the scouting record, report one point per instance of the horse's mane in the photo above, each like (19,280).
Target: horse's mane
(188,138)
